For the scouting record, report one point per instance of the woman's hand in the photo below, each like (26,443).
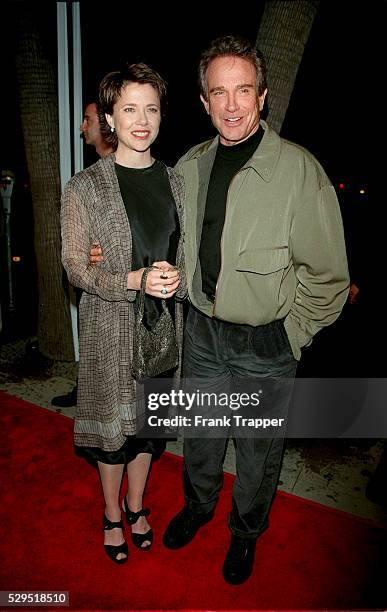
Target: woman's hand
(161,282)
(167,279)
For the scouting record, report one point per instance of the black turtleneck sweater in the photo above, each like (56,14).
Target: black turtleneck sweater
(228,161)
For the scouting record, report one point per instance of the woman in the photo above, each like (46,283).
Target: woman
(130,204)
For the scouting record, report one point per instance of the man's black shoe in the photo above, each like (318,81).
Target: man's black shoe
(183,527)
(239,561)
(66,401)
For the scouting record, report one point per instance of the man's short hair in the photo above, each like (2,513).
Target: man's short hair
(232,46)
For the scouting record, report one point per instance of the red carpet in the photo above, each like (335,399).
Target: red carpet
(51,510)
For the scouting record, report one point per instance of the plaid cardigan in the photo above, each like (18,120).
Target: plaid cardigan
(109,399)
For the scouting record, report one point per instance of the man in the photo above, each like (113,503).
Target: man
(91,130)
(266,269)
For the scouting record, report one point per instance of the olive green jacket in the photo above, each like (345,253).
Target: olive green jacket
(282,247)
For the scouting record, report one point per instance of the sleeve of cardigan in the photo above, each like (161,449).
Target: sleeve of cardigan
(76,242)
(178,190)
(182,291)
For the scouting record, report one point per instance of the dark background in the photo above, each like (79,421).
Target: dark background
(333,111)
(332,108)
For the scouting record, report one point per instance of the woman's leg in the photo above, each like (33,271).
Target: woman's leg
(138,471)
(111,478)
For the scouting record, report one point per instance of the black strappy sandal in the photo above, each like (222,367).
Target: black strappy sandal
(138,539)
(113,551)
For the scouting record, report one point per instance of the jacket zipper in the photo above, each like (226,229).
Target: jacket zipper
(221,240)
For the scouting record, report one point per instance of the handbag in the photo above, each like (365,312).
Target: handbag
(154,350)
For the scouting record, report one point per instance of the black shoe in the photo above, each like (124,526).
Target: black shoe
(183,527)
(239,561)
(113,551)
(138,539)
(66,401)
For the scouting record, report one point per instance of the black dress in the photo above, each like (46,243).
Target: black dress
(154,224)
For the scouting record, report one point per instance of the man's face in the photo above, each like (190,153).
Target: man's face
(233,102)
(90,127)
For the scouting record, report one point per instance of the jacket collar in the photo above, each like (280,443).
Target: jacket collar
(265,158)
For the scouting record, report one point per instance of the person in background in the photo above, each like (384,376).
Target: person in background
(90,129)
(131,204)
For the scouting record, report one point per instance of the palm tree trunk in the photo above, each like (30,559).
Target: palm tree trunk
(39,118)
(283,33)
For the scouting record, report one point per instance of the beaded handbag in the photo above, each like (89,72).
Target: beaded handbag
(155,350)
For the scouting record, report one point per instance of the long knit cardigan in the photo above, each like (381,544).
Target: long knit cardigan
(109,399)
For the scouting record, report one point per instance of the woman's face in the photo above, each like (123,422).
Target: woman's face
(136,116)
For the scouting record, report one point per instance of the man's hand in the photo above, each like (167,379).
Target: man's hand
(353,293)
(95,255)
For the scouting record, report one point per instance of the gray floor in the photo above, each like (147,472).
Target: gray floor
(332,472)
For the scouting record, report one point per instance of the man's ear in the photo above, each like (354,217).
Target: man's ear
(206,105)
(261,99)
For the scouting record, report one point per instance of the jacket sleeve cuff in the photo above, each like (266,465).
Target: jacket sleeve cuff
(297,337)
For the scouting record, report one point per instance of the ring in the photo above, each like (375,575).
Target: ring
(164,291)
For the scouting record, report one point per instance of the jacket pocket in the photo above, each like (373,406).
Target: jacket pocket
(263,261)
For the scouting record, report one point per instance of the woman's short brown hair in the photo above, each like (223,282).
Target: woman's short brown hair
(111,87)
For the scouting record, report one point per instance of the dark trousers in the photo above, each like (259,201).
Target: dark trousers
(222,352)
